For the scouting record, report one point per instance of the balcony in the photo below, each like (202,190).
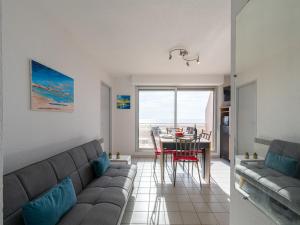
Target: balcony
(145,141)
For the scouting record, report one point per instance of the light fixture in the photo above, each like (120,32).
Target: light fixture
(184,53)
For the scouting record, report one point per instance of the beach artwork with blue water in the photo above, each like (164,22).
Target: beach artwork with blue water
(50,89)
(123,101)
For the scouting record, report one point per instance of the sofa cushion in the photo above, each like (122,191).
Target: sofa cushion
(116,170)
(90,151)
(98,147)
(101,164)
(282,188)
(288,149)
(37,178)
(83,165)
(50,207)
(87,214)
(106,181)
(64,166)
(96,195)
(282,163)
(86,174)
(79,156)
(14,195)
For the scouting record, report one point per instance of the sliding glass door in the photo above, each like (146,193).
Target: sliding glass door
(162,108)
(156,109)
(192,108)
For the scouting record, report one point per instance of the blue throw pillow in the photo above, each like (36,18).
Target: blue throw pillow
(101,164)
(282,164)
(51,206)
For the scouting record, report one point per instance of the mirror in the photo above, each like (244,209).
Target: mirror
(267,87)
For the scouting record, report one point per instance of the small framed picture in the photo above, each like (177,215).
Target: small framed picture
(123,101)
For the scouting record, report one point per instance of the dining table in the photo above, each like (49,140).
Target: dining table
(169,142)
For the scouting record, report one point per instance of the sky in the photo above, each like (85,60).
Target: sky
(158,106)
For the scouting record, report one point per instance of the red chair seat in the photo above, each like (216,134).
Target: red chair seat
(169,151)
(157,152)
(166,151)
(186,158)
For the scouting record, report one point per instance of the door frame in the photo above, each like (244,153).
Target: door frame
(110,113)
(175,88)
(237,110)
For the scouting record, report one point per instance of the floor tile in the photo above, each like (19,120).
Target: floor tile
(216,207)
(186,207)
(136,217)
(201,207)
(208,218)
(153,202)
(173,218)
(190,218)
(222,218)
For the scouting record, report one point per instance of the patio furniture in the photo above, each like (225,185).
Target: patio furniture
(205,135)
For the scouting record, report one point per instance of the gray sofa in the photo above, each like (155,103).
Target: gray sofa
(282,188)
(101,201)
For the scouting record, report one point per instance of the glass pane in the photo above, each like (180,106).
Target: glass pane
(195,107)
(156,109)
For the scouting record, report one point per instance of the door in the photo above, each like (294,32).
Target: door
(246,117)
(168,107)
(106,116)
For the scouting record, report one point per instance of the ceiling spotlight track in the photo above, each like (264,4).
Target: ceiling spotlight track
(183,53)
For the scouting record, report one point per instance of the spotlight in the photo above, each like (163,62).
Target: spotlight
(184,54)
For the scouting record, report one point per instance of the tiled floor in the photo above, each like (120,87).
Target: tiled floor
(155,203)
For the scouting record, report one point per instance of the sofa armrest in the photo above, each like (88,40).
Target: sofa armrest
(253,162)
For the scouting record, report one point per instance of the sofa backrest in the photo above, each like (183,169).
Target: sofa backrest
(30,182)
(287,149)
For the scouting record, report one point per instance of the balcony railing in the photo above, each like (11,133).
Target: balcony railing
(145,141)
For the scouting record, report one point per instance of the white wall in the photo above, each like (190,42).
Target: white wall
(268,51)
(124,120)
(28,136)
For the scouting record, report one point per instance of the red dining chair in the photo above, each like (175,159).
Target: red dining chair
(157,148)
(203,135)
(186,153)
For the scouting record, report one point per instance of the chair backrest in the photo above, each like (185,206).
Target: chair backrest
(190,130)
(153,140)
(185,147)
(205,135)
(156,130)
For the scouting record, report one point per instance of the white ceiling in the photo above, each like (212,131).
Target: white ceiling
(133,37)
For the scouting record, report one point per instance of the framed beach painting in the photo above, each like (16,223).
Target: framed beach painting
(50,89)
(123,101)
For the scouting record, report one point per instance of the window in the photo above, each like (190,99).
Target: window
(162,108)
(156,109)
